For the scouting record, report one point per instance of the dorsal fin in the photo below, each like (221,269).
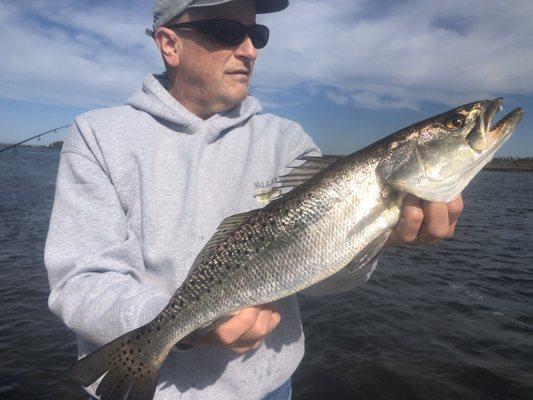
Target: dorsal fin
(298,175)
(309,168)
(227,226)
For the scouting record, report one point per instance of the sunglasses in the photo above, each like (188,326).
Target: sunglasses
(228,32)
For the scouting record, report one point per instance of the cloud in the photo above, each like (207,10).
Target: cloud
(65,52)
(399,54)
(367,53)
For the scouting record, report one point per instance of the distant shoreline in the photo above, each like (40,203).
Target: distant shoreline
(504,169)
(510,164)
(52,146)
(501,164)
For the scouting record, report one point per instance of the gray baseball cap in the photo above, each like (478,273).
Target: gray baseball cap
(165,10)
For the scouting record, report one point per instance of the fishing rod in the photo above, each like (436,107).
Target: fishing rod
(14,146)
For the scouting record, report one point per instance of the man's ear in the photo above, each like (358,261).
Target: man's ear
(169,45)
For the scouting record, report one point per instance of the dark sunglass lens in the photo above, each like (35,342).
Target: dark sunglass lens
(233,33)
(227,32)
(259,35)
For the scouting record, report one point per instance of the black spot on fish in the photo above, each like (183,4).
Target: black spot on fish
(139,369)
(131,351)
(132,361)
(129,368)
(139,350)
(128,341)
(158,327)
(127,358)
(122,344)
(149,341)
(124,352)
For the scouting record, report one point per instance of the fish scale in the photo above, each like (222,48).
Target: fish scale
(340,212)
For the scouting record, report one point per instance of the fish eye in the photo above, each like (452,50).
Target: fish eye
(456,122)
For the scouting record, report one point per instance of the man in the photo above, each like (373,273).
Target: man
(142,187)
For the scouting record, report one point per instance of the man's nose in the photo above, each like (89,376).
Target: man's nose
(246,49)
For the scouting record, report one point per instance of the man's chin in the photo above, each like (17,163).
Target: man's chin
(235,99)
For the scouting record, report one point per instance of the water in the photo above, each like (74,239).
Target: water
(453,321)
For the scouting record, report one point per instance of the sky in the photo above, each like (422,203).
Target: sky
(349,71)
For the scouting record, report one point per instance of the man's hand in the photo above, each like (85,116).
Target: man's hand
(244,331)
(425,222)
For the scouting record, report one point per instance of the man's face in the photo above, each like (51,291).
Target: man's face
(215,76)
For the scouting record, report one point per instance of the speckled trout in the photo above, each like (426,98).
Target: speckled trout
(336,211)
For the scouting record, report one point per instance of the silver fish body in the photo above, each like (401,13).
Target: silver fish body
(340,209)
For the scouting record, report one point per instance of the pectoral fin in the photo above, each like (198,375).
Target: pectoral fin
(368,254)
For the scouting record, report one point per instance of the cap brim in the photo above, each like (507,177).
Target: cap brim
(269,6)
(261,6)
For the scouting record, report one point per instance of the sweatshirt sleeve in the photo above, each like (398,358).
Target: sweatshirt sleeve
(94,261)
(345,279)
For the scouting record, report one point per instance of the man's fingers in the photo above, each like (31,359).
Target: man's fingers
(247,329)
(230,331)
(440,220)
(436,221)
(452,229)
(258,331)
(274,321)
(425,222)
(455,208)
(241,350)
(413,216)
(253,339)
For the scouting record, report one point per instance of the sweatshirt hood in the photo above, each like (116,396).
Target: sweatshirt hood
(154,99)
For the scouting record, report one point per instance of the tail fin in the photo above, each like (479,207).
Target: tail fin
(129,367)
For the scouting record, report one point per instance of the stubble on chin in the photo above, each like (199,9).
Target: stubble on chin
(233,96)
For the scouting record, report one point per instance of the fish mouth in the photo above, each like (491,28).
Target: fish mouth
(490,137)
(503,129)
(486,139)
(489,111)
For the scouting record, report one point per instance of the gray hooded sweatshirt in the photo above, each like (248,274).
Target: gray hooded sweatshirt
(140,190)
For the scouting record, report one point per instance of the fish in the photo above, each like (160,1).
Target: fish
(330,215)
